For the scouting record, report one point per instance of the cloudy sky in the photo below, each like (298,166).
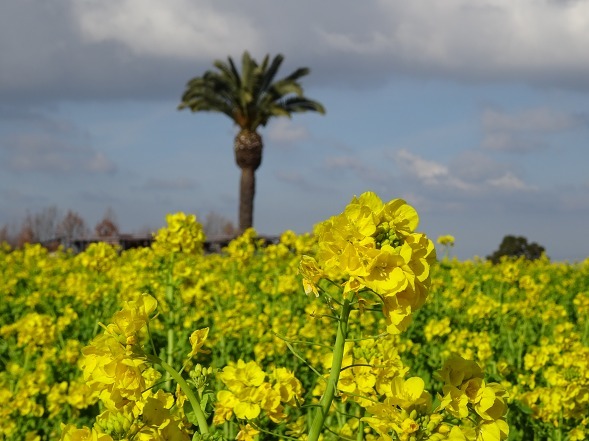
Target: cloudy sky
(474,111)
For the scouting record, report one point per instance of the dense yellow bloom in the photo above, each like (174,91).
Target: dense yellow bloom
(437,328)
(446,240)
(98,256)
(524,323)
(242,375)
(249,394)
(71,433)
(184,234)
(374,245)
(32,330)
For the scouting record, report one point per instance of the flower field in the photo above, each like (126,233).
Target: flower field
(357,332)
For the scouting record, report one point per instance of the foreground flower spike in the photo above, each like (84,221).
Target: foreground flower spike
(373,246)
(372,250)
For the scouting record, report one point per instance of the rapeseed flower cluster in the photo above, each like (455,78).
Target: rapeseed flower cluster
(373,246)
(467,397)
(118,372)
(183,234)
(248,393)
(525,323)
(446,240)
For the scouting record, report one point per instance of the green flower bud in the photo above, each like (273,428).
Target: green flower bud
(114,424)
(431,426)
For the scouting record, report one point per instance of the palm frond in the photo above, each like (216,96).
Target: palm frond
(250,97)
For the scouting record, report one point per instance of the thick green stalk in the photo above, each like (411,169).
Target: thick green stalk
(192,398)
(336,366)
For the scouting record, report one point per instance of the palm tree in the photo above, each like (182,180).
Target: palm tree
(250,98)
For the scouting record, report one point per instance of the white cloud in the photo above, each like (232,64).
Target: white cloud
(175,28)
(509,181)
(284,131)
(474,39)
(471,172)
(429,173)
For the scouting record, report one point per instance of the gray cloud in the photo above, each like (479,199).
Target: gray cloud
(359,167)
(43,152)
(298,180)
(111,49)
(526,130)
(476,166)
(540,119)
(177,184)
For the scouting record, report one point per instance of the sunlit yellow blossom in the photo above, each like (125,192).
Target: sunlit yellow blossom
(288,386)
(197,340)
(456,370)
(242,374)
(248,406)
(311,275)
(133,317)
(70,433)
(408,393)
(492,431)
(374,245)
(455,401)
(226,402)
(247,433)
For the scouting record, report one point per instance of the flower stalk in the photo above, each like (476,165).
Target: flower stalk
(336,366)
(192,398)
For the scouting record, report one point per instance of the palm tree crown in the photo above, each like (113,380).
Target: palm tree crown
(250,98)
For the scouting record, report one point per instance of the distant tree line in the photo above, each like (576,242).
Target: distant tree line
(516,246)
(50,229)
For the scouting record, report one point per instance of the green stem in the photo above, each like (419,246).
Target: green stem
(360,434)
(336,365)
(171,318)
(170,355)
(194,402)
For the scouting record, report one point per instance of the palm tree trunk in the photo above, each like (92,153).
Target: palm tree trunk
(247,190)
(248,156)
